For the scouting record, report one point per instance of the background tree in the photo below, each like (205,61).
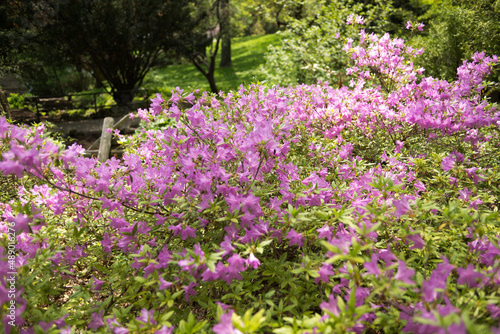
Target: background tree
(20,54)
(457,30)
(201,41)
(117,40)
(309,49)
(8,11)
(257,17)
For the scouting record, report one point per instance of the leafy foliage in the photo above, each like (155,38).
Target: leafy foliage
(311,48)
(457,30)
(302,209)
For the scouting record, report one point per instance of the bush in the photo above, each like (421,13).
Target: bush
(457,30)
(300,209)
(311,49)
(16,101)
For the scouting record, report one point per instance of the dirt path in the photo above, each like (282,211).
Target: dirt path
(84,132)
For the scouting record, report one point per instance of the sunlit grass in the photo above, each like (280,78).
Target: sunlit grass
(247,56)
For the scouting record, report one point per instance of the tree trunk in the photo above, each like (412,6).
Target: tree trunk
(123,97)
(225,29)
(225,51)
(211,81)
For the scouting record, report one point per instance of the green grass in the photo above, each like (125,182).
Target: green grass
(247,56)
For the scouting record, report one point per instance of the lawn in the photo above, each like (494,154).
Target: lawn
(247,56)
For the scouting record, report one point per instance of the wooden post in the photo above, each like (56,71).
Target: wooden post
(4,104)
(105,144)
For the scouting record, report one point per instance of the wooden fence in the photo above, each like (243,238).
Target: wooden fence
(83,101)
(104,142)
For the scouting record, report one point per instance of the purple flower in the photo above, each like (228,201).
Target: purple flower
(97,285)
(464,194)
(324,232)
(274,203)
(437,280)
(227,246)
(164,284)
(419,185)
(444,269)
(402,206)
(12,167)
(56,259)
(404,273)
(189,291)
(176,228)
(209,275)
(494,311)
(417,241)
(448,163)
(146,317)
(469,276)
(188,232)
(234,202)
(251,202)
(252,261)
(372,267)
(165,330)
(331,306)
(324,272)
(225,326)
(4,127)
(97,320)
(473,204)
(295,238)
(399,146)
(236,264)
(387,256)
(21,223)
(409,25)
(471,172)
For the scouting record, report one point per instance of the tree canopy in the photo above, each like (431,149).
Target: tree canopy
(118,41)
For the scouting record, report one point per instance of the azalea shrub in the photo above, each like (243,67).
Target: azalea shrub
(310,209)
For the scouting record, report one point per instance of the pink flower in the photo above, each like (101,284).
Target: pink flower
(331,307)
(189,291)
(409,25)
(295,238)
(188,232)
(324,232)
(146,317)
(164,284)
(225,326)
(469,276)
(448,163)
(252,261)
(402,206)
(359,19)
(404,273)
(97,320)
(97,285)
(372,267)
(324,272)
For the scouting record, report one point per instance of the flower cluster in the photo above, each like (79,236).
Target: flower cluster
(329,210)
